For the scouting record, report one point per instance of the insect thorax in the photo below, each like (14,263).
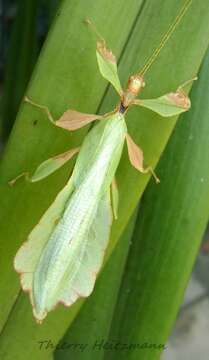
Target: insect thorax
(135,85)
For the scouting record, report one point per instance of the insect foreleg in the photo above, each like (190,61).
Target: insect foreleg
(44,108)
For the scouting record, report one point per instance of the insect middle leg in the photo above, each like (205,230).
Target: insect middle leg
(136,158)
(150,170)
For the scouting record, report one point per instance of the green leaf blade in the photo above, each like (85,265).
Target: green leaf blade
(169,229)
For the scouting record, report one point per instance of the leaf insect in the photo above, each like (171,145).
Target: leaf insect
(60,260)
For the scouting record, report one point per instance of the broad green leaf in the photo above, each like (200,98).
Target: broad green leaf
(169,229)
(21,57)
(167,105)
(108,66)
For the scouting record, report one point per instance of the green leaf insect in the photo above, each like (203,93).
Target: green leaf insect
(64,252)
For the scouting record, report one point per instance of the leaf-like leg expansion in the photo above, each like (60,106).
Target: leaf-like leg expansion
(114,198)
(73,120)
(106,61)
(44,108)
(108,66)
(70,120)
(173,103)
(47,167)
(136,158)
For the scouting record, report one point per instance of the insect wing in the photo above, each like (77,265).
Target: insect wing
(91,256)
(29,253)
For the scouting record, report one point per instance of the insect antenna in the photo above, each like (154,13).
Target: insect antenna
(166,37)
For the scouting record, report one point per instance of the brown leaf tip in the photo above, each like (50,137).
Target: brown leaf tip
(105,52)
(179,98)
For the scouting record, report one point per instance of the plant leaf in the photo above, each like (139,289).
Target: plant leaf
(171,222)
(21,57)
(108,66)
